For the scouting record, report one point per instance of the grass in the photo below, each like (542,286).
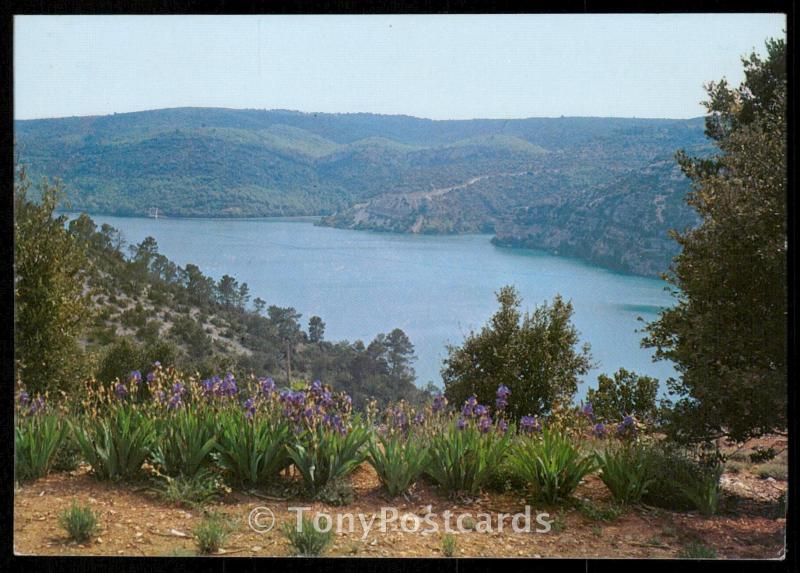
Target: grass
(79,521)
(698,551)
(308,541)
(211,533)
(600,513)
(449,545)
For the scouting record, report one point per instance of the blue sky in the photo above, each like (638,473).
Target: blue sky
(441,67)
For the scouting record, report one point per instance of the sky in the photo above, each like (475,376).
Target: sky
(434,66)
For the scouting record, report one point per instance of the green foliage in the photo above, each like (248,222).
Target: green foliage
(461,461)
(37,440)
(192,490)
(761,455)
(727,332)
(125,355)
(682,480)
(698,551)
(626,472)
(626,394)
(534,355)
(79,521)
(551,463)
(449,545)
(336,492)
(185,442)
(323,455)
(211,533)
(68,456)
(117,442)
(597,512)
(252,451)
(398,460)
(51,307)
(307,540)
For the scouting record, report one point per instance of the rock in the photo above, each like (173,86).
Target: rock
(255,548)
(177,533)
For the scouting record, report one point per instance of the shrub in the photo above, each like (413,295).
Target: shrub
(551,464)
(252,450)
(68,455)
(626,394)
(211,533)
(449,545)
(117,443)
(37,439)
(308,541)
(681,481)
(600,513)
(324,454)
(79,521)
(336,492)
(191,491)
(185,442)
(462,460)
(397,460)
(625,471)
(761,455)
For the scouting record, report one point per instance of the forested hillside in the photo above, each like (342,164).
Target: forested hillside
(523,180)
(146,308)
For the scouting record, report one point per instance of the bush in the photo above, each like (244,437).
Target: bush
(398,461)
(308,541)
(626,394)
(681,480)
(125,355)
(449,545)
(116,444)
(68,455)
(551,464)
(252,450)
(462,460)
(191,491)
(80,522)
(37,439)
(323,454)
(337,492)
(211,533)
(185,442)
(625,471)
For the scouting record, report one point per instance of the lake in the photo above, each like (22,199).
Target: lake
(436,288)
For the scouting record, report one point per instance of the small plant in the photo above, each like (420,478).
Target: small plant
(191,491)
(698,551)
(681,480)
(79,521)
(558,525)
(37,439)
(308,541)
(397,460)
(116,445)
(324,455)
(625,472)
(337,492)
(211,533)
(462,460)
(68,455)
(449,545)
(761,455)
(551,463)
(597,531)
(596,513)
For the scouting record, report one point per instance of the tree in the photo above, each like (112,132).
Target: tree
(536,356)
(400,355)
(727,334)
(259,304)
(51,306)
(227,291)
(625,394)
(316,329)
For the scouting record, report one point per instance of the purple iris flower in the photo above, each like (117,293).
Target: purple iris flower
(249,407)
(502,426)
(599,431)
(485,424)
(24,398)
(120,390)
(267,386)
(438,403)
(419,419)
(151,376)
(461,424)
(480,410)
(530,424)
(588,410)
(135,377)
(174,402)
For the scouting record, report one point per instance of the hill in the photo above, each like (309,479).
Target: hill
(532,182)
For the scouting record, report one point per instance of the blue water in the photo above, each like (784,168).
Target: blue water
(436,288)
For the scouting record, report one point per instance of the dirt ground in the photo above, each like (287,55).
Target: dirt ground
(134,520)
